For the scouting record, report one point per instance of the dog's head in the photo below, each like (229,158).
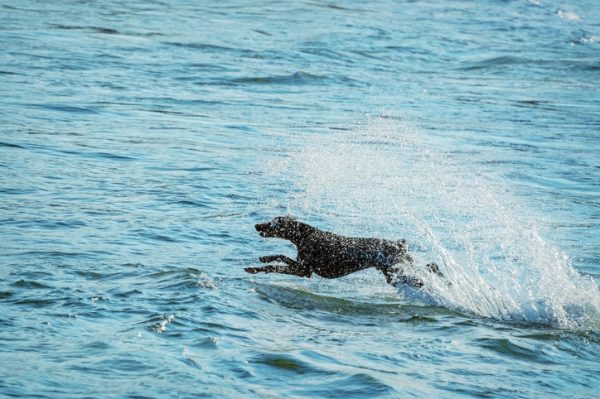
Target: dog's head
(281,226)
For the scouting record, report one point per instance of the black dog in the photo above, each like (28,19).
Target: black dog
(331,256)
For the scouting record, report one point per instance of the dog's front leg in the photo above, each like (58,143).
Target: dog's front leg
(391,274)
(280,258)
(295,271)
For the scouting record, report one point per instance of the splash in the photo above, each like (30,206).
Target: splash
(392,180)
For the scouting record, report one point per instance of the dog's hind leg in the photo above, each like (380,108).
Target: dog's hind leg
(395,275)
(280,258)
(433,268)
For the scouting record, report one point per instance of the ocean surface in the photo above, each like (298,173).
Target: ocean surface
(140,141)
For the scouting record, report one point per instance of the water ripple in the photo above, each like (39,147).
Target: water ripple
(141,142)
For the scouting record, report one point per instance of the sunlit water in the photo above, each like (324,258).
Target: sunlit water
(141,141)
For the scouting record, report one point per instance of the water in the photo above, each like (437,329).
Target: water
(141,141)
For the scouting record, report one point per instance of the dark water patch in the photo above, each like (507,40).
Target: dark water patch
(11,145)
(133,265)
(39,132)
(368,54)
(118,293)
(107,31)
(96,275)
(262,32)
(580,346)
(124,364)
(36,302)
(210,67)
(189,360)
(100,154)
(358,385)
(16,191)
(417,319)
(181,169)
(493,63)
(62,108)
(181,283)
(170,112)
(180,102)
(537,104)
(410,50)
(194,204)
(49,224)
(288,364)
(472,390)
(542,336)
(97,346)
(318,50)
(29,284)
(55,254)
(531,102)
(296,78)
(32,275)
(5,294)
(243,128)
(111,156)
(505,347)
(593,67)
(202,46)
(172,272)
(319,357)
(157,237)
(332,6)
(5,323)
(97,29)
(211,326)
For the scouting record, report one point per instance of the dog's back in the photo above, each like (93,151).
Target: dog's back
(331,255)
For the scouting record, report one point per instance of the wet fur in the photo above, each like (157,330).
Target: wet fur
(331,255)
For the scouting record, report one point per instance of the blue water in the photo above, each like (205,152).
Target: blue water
(140,142)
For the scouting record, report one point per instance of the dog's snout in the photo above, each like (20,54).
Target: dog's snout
(262,227)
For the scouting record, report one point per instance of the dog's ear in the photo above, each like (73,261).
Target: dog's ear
(282,220)
(287,218)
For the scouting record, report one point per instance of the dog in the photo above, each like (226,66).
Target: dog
(332,256)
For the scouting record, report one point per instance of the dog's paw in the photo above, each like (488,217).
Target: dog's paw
(252,270)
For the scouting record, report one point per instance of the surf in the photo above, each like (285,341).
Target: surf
(392,179)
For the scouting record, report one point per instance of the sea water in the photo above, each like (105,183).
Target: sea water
(141,141)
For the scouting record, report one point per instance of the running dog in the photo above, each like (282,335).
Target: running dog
(331,255)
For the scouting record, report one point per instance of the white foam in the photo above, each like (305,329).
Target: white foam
(390,179)
(568,15)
